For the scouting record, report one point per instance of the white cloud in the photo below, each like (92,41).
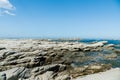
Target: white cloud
(6,7)
(9,13)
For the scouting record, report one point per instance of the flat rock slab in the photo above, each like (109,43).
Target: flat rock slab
(113,74)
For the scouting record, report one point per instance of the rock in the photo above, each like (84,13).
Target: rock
(90,69)
(63,77)
(99,67)
(117,51)
(5,53)
(9,53)
(46,76)
(110,45)
(33,59)
(95,67)
(2,48)
(111,56)
(93,47)
(104,42)
(54,68)
(3,77)
(77,71)
(37,61)
(15,73)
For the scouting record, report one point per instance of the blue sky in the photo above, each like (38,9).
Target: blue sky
(61,18)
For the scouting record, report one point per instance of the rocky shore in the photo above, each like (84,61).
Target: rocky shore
(34,59)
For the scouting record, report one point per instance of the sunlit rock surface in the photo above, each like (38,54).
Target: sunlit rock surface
(113,74)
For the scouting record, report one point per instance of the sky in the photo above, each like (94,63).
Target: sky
(60,18)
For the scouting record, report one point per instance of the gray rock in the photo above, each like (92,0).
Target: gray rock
(46,76)
(63,77)
(43,69)
(111,56)
(15,73)
(110,45)
(3,76)
(5,53)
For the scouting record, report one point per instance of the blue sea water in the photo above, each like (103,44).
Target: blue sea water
(116,42)
(89,40)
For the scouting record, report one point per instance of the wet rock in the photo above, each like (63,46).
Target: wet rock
(117,51)
(90,69)
(111,56)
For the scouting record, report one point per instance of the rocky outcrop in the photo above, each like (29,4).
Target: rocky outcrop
(49,60)
(15,74)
